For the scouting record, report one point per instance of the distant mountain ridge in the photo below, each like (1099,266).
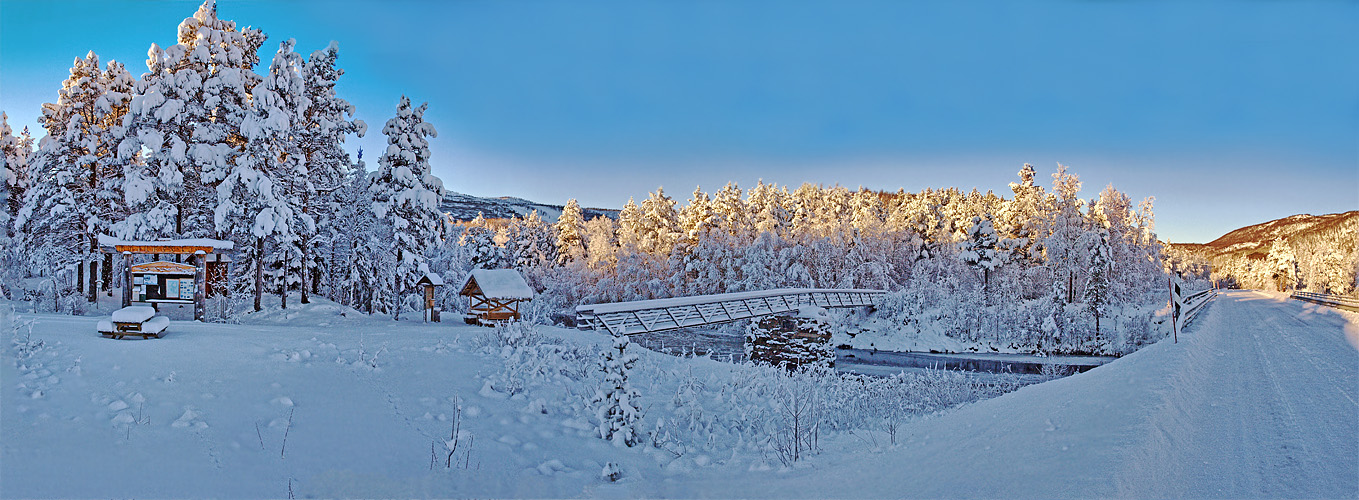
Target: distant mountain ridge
(1254,239)
(465,207)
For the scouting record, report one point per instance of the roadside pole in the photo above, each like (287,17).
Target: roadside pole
(1174,308)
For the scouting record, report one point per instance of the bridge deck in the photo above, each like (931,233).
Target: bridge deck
(644,316)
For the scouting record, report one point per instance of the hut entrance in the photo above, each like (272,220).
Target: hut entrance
(494,295)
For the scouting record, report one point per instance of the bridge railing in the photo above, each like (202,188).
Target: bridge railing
(1193,304)
(1337,301)
(645,316)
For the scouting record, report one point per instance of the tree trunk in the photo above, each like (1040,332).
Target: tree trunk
(259,272)
(306,248)
(94,279)
(283,291)
(306,273)
(108,274)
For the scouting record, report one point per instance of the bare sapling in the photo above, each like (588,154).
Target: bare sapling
(283,451)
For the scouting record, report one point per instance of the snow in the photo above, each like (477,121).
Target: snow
(156,324)
(705,299)
(133,314)
(109,241)
(499,283)
(1258,399)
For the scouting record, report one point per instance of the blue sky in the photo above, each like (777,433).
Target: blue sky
(1230,113)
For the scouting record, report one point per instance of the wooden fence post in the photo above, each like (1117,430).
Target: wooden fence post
(127,278)
(200,263)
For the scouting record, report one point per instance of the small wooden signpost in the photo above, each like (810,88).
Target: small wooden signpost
(428,285)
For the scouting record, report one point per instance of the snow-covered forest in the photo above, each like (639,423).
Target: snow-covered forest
(209,143)
(1029,272)
(1302,252)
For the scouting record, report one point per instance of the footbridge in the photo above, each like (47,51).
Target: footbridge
(646,316)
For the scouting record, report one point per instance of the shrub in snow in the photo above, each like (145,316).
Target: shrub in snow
(617,404)
(612,472)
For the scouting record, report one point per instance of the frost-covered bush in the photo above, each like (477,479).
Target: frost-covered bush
(617,404)
(535,362)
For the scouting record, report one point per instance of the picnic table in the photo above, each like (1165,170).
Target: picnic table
(134,320)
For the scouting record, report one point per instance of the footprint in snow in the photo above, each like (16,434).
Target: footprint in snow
(190,419)
(552,468)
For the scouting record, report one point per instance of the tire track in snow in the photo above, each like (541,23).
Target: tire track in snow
(1252,410)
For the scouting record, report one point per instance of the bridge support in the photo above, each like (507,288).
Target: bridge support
(791,340)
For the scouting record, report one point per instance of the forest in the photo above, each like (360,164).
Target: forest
(202,145)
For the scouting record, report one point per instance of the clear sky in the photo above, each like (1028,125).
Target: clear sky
(1229,113)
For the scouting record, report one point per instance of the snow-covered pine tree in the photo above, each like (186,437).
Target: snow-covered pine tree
(479,241)
(1097,285)
(768,213)
(867,214)
(630,227)
(406,195)
(1061,247)
(570,224)
(696,217)
(16,176)
(528,242)
(659,227)
(980,250)
(1022,220)
(617,404)
(188,115)
(258,201)
(75,196)
(352,221)
(601,243)
(729,213)
(1282,262)
(323,127)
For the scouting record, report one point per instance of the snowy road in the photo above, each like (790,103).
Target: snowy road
(1259,399)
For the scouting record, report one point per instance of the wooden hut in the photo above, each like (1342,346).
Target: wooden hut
(494,295)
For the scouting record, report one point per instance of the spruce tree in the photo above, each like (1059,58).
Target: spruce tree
(323,127)
(16,176)
(570,224)
(406,196)
(617,404)
(1097,296)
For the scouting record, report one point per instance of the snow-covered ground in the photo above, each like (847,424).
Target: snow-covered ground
(1257,399)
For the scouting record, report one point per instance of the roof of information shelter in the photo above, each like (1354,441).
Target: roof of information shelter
(183,246)
(496,284)
(163,267)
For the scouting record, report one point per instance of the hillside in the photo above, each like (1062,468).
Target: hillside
(465,207)
(1255,239)
(1321,248)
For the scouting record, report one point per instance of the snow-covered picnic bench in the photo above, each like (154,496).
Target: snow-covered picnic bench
(134,320)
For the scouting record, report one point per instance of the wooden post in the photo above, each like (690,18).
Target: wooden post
(200,263)
(127,278)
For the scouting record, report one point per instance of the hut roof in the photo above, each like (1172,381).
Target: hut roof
(496,284)
(109,243)
(163,267)
(433,279)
